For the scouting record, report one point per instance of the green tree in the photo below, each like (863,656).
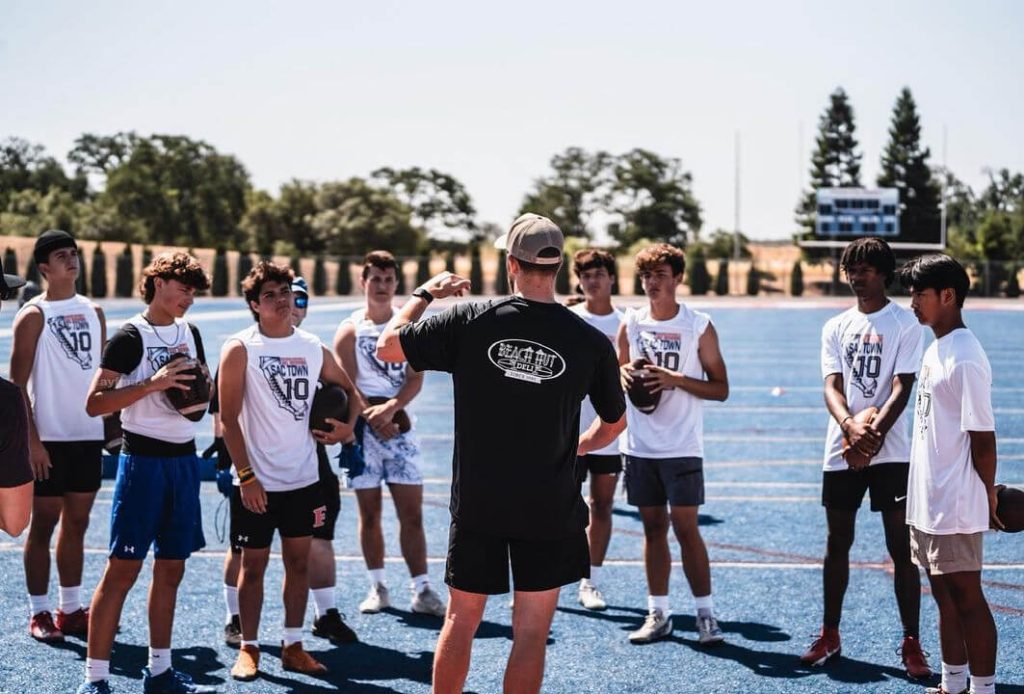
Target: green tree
(449,262)
(10,261)
(295,262)
(400,284)
(98,274)
(319,277)
(753,281)
(124,273)
(219,285)
(147,256)
(82,283)
(501,279)
(638,285)
(476,271)
(721,245)
(573,192)
(343,280)
(354,218)
(722,278)
(25,166)
(904,166)
(654,198)
(835,162)
(244,266)
(32,272)
(439,203)
(422,270)
(697,271)
(562,279)
(1012,283)
(796,279)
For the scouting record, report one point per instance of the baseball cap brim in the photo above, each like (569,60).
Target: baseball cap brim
(501,243)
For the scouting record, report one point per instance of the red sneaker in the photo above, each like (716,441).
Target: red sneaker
(42,628)
(914,658)
(826,646)
(73,623)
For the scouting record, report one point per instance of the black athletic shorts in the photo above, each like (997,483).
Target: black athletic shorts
(657,481)
(77,467)
(479,563)
(599,464)
(293,514)
(330,490)
(843,490)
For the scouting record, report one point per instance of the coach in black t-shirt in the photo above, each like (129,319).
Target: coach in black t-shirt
(16,476)
(521,366)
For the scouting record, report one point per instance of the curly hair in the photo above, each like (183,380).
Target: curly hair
(593,259)
(173,265)
(872,251)
(652,256)
(265,271)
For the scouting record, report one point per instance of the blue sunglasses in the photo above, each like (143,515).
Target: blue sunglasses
(301,300)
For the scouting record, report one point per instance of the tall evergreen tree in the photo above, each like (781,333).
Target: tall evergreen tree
(98,272)
(10,261)
(82,283)
(836,161)
(905,166)
(422,270)
(219,286)
(125,273)
(501,279)
(476,272)
(244,266)
(400,276)
(319,277)
(722,278)
(343,280)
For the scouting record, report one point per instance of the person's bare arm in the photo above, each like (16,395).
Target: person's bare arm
(105,397)
(983,457)
(902,385)
(332,372)
(380,417)
(864,437)
(600,434)
(389,345)
(231,389)
(715,385)
(28,326)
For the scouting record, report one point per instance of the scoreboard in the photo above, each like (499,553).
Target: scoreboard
(846,212)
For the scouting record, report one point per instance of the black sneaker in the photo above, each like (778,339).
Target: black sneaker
(331,625)
(233,632)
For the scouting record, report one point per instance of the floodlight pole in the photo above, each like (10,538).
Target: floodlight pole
(736,202)
(942,207)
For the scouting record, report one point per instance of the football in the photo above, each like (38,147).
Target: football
(1010,508)
(401,417)
(851,455)
(113,436)
(192,403)
(639,392)
(329,401)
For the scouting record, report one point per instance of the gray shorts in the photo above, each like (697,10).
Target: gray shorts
(657,481)
(946,554)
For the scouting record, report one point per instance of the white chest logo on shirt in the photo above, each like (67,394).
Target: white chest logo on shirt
(393,372)
(525,360)
(288,378)
(158,356)
(924,403)
(863,354)
(74,338)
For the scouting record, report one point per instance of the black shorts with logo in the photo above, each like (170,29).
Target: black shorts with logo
(599,464)
(77,467)
(843,490)
(479,563)
(330,491)
(293,513)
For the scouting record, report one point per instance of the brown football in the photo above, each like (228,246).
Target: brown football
(329,401)
(639,392)
(192,403)
(401,417)
(851,455)
(1010,508)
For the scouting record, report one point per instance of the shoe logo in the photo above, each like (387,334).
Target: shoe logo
(900,498)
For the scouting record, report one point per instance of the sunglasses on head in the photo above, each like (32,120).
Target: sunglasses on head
(301,300)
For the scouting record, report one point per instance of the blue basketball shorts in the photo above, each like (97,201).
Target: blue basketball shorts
(156,502)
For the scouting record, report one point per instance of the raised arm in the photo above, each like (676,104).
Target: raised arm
(389,346)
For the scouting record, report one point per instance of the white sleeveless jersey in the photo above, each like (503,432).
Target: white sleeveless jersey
(609,326)
(153,415)
(280,380)
(868,350)
(67,355)
(676,428)
(374,377)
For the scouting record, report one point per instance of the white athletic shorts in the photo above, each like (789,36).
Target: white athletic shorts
(395,461)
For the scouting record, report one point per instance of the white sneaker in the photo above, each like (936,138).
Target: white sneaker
(428,602)
(376,600)
(656,626)
(709,631)
(590,597)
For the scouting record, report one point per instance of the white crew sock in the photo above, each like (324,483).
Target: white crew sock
(39,603)
(159,661)
(705,606)
(323,600)
(595,574)
(254,644)
(96,670)
(376,576)
(954,678)
(983,685)
(419,583)
(231,600)
(69,599)
(292,635)
(658,602)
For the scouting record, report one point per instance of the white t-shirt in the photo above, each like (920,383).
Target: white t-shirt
(869,349)
(373,377)
(280,380)
(676,428)
(609,325)
(945,496)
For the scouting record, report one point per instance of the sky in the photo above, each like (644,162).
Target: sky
(489,93)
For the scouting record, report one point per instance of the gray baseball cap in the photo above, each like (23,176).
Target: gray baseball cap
(533,239)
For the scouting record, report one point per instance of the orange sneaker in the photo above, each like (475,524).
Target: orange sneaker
(42,628)
(73,623)
(295,659)
(914,658)
(826,646)
(247,665)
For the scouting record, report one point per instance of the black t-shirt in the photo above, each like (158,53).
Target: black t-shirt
(15,468)
(520,369)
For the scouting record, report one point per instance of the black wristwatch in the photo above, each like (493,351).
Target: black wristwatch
(422,293)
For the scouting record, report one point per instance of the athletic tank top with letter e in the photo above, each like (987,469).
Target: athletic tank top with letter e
(374,378)
(676,428)
(609,326)
(67,355)
(153,415)
(280,380)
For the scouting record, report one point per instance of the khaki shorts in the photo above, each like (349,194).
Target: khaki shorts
(946,554)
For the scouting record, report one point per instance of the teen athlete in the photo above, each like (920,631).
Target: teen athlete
(391,456)
(15,469)
(664,449)
(58,339)
(267,380)
(156,496)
